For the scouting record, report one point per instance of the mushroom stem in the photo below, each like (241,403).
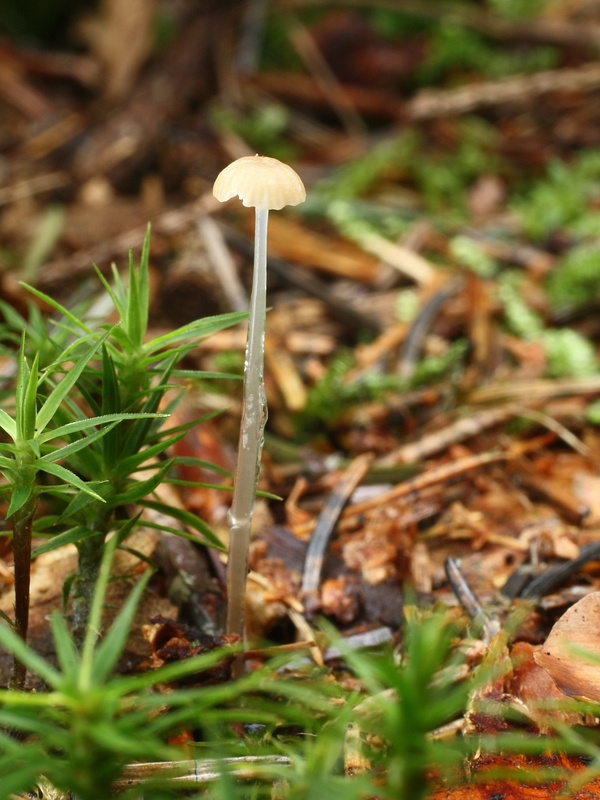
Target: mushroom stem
(262,183)
(254,417)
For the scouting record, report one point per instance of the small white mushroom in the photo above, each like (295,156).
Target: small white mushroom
(260,182)
(263,183)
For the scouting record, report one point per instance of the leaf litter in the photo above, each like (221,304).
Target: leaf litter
(432,342)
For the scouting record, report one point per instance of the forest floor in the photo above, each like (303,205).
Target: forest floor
(432,340)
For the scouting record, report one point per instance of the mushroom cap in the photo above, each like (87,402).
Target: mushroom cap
(260,182)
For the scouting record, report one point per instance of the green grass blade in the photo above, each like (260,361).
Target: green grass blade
(61,539)
(136,321)
(69,449)
(132,463)
(115,292)
(110,648)
(26,408)
(66,652)
(68,477)
(201,374)
(10,641)
(138,490)
(186,518)
(19,497)
(62,389)
(110,404)
(200,465)
(23,374)
(80,500)
(91,422)
(62,310)
(19,768)
(137,436)
(133,320)
(193,330)
(8,424)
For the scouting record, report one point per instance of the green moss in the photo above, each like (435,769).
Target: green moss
(569,354)
(443,176)
(518,9)
(263,128)
(434,368)
(592,413)
(564,199)
(454,48)
(468,253)
(576,278)
(329,398)
(520,318)
(407,305)
(382,163)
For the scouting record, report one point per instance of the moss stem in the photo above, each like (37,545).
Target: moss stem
(22,527)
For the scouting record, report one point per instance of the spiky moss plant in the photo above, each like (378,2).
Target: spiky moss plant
(410,696)
(36,447)
(82,731)
(100,400)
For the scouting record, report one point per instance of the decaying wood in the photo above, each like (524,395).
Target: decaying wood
(431,104)
(534,390)
(412,345)
(80,68)
(460,430)
(201,772)
(297,89)
(552,491)
(522,90)
(222,263)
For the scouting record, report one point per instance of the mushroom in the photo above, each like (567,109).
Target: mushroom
(263,183)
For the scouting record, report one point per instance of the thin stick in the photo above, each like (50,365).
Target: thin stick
(328,519)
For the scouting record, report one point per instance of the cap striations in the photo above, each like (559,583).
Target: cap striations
(260,182)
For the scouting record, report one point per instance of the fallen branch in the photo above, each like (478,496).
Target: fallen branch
(522,90)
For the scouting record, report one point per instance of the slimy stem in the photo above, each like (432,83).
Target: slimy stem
(254,417)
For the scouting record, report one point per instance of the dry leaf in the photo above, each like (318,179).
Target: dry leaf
(120,36)
(562,657)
